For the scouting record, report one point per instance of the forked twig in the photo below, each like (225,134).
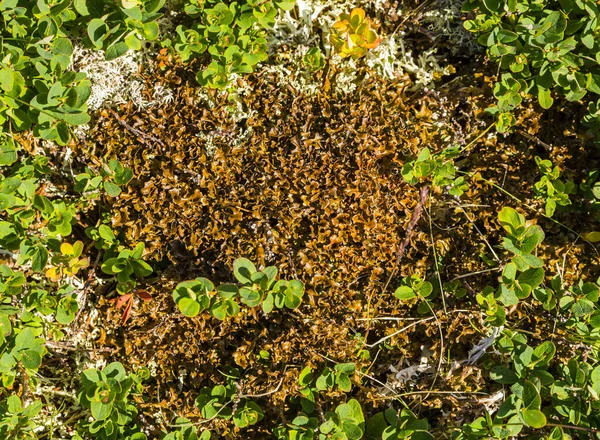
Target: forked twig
(144,136)
(423,193)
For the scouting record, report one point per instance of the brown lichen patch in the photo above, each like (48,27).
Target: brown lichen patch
(312,184)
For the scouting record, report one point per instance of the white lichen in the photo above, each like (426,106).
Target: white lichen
(116,81)
(444,21)
(312,25)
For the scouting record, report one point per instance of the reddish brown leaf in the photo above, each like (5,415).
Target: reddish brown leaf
(144,295)
(123,299)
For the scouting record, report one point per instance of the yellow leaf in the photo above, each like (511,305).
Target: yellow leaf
(66,249)
(53,274)
(592,236)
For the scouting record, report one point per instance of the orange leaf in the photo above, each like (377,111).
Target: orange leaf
(123,299)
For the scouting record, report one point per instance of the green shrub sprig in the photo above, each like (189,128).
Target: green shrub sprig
(256,288)
(544,49)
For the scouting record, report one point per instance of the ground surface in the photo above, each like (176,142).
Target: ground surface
(311,182)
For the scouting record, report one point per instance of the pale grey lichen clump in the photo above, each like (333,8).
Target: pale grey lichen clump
(444,20)
(117,81)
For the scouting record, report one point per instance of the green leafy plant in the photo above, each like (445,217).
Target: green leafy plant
(550,188)
(67,262)
(247,414)
(494,312)
(125,265)
(439,167)
(25,351)
(122,26)
(339,376)
(389,424)
(16,421)
(536,394)
(186,431)
(581,301)
(353,34)
(37,89)
(522,275)
(544,48)
(105,393)
(103,237)
(346,422)
(215,401)
(413,287)
(111,178)
(262,286)
(233,35)
(313,59)
(302,427)
(522,239)
(257,287)
(312,383)
(223,401)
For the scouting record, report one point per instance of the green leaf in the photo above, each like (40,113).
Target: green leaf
(543,353)
(509,272)
(344,383)
(545,98)
(588,40)
(293,294)
(531,396)
(552,28)
(243,269)
(6,79)
(533,418)
(106,233)
(31,359)
(133,42)
(505,36)
(510,219)
(101,411)
(13,404)
(188,307)
(227,291)
(533,236)
(39,259)
(492,5)
(593,83)
(138,252)
(503,375)
(97,31)
(66,310)
(270,272)
(8,153)
(81,7)
(116,50)
(582,307)
(532,277)
(111,189)
(250,297)
(404,293)
(269,303)
(150,30)
(141,268)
